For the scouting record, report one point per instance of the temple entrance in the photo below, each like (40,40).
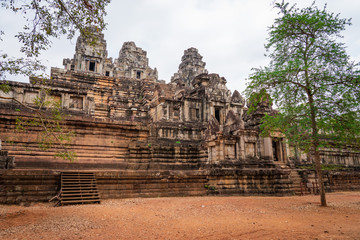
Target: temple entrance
(92,66)
(275,150)
(217,114)
(278,149)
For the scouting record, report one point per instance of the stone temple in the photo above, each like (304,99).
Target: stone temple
(144,137)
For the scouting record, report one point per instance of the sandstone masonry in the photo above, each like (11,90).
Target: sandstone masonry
(144,137)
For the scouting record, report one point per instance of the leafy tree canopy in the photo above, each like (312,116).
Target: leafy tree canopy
(310,71)
(47,19)
(311,80)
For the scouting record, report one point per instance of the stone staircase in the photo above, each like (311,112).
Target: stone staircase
(78,188)
(296,182)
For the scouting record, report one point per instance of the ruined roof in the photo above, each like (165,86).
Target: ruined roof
(237,98)
(133,56)
(191,66)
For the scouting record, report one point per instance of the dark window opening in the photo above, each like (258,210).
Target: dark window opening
(165,112)
(235,151)
(275,152)
(107,73)
(217,114)
(92,66)
(176,113)
(138,74)
(72,67)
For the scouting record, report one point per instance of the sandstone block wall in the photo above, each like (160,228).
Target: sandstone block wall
(125,184)
(101,144)
(28,186)
(19,186)
(98,144)
(343,180)
(144,137)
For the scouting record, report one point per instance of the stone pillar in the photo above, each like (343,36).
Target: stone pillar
(280,151)
(237,149)
(66,98)
(285,150)
(242,148)
(257,148)
(224,152)
(186,111)
(267,148)
(209,155)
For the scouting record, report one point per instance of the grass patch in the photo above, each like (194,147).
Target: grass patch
(325,167)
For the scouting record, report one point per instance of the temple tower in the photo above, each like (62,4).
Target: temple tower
(90,53)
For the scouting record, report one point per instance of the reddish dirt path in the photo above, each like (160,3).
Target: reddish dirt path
(189,218)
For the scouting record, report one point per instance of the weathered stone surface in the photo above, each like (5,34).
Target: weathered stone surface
(133,63)
(191,66)
(6,162)
(192,131)
(90,53)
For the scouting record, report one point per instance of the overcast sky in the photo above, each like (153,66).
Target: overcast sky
(229,34)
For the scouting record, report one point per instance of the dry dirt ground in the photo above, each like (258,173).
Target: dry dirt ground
(189,218)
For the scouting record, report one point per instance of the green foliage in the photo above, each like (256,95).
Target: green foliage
(5,88)
(19,66)
(256,98)
(209,187)
(45,20)
(310,79)
(71,156)
(47,122)
(332,167)
(326,167)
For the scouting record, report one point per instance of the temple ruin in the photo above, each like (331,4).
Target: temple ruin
(144,137)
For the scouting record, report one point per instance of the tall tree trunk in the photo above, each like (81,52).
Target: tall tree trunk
(315,145)
(320,177)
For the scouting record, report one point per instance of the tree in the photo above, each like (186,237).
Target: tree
(46,115)
(46,19)
(312,81)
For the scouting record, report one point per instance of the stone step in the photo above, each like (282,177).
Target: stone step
(78,188)
(82,201)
